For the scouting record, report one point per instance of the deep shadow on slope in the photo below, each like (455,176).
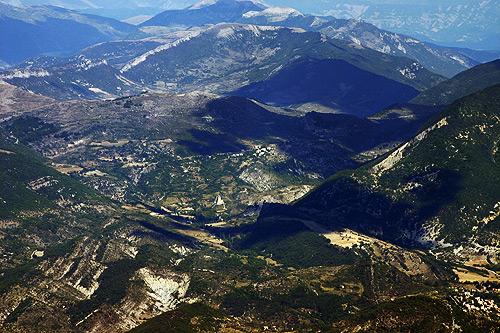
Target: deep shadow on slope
(342,202)
(329,81)
(323,143)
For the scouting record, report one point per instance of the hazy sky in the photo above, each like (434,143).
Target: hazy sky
(183,3)
(115,8)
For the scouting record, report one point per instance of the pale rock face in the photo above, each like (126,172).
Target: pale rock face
(81,266)
(259,178)
(131,64)
(284,195)
(226,33)
(275,14)
(87,64)
(24,74)
(182,250)
(228,30)
(37,184)
(391,160)
(218,201)
(166,288)
(428,235)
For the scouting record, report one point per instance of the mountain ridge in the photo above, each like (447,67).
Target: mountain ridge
(437,59)
(465,83)
(197,60)
(393,192)
(204,12)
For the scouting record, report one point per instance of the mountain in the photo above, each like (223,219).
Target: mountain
(86,4)
(443,22)
(436,190)
(205,12)
(115,53)
(197,212)
(186,173)
(462,84)
(437,59)
(119,10)
(331,83)
(36,30)
(91,79)
(471,24)
(257,53)
(198,60)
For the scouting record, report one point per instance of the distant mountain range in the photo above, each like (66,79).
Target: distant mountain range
(205,12)
(33,31)
(472,24)
(120,10)
(442,22)
(437,59)
(239,52)
(198,60)
(257,58)
(440,60)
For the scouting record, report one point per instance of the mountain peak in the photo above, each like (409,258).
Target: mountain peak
(275,14)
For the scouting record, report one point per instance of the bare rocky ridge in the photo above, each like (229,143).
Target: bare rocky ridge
(439,60)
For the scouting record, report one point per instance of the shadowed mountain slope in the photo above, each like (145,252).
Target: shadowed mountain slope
(332,83)
(437,188)
(467,82)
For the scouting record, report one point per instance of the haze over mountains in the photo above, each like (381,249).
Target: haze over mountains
(31,31)
(471,24)
(120,67)
(198,61)
(441,22)
(226,166)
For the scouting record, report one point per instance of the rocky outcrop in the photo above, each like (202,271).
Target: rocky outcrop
(258,177)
